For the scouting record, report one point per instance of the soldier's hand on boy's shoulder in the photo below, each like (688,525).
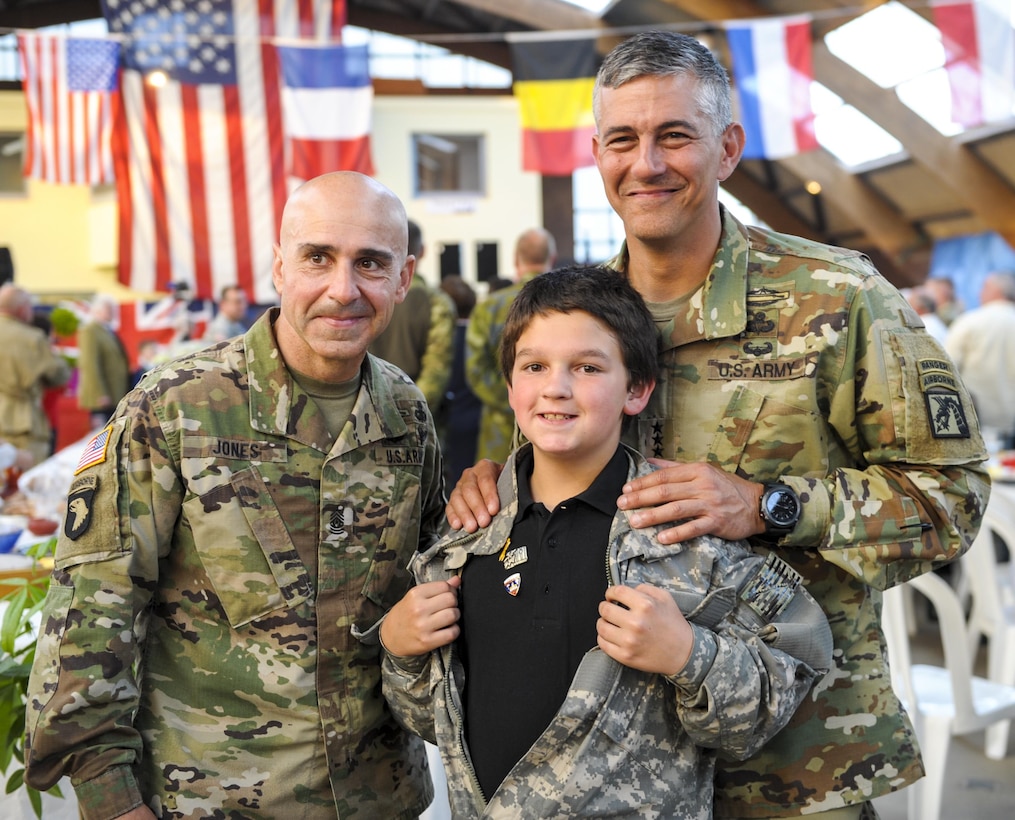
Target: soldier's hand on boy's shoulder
(642,627)
(474,500)
(425,619)
(703,498)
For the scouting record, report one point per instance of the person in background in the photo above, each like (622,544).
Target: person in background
(923,303)
(149,353)
(103,366)
(942,290)
(458,420)
(50,395)
(231,318)
(535,253)
(801,404)
(28,365)
(233,538)
(576,683)
(418,339)
(981,340)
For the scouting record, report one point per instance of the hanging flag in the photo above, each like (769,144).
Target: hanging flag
(979,44)
(772,72)
(70,88)
(327,98)
(200,158)
(553,83)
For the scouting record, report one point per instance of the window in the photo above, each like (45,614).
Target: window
(448,164)
(11,147)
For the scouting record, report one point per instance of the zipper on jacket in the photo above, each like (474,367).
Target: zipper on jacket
(460,736)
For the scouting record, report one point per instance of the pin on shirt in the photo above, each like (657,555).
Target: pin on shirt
(513,583)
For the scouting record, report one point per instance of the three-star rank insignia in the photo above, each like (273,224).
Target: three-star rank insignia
(80,500)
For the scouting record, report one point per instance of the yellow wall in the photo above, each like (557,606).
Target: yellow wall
(63,237)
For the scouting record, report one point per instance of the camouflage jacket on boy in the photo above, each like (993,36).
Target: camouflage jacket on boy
(625,740)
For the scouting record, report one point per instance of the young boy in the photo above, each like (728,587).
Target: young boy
(565,664)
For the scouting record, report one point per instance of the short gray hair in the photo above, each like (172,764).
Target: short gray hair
(669,54)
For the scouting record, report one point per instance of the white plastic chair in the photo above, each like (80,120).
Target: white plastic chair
(942,701)
(992,613)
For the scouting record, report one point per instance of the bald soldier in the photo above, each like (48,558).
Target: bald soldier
(233,538)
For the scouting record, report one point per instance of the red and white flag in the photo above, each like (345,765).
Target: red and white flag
(70,90)
(979,44)
(773,72)
(201,173)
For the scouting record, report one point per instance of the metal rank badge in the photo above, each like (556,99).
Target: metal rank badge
(515,557)
(513,584)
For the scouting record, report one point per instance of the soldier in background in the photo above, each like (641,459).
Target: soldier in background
(801,404)
(103,366)
(28,365)
(535,253)
(232,540)
(419,338)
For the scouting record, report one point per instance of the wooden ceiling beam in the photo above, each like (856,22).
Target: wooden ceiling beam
(882,223)
(768,204)
(972,180)
(549,15)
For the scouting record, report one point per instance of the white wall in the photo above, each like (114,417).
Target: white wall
(513,199)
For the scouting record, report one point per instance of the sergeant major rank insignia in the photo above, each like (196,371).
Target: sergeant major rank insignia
(945,413)
(80,499)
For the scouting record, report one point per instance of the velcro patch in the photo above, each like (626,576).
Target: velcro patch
(772,588)
(79,506)
(946,415)
(95,451)
(240,449)
(761,370)
(399,455)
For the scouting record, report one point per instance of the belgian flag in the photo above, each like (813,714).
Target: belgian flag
(553,83)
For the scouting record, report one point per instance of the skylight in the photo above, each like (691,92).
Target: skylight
(594,6)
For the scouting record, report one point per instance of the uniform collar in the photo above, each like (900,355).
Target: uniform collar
(719,309)
(279,407)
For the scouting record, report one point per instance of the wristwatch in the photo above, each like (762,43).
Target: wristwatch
(780,509)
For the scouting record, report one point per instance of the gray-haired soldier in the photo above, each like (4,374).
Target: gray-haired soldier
(795,379)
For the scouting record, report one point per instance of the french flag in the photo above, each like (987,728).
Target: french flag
(773,72)
(979,44)
(327,99)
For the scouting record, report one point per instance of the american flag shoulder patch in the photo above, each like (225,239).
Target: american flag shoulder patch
(95,451)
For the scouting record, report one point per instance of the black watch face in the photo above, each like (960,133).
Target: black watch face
(782,508)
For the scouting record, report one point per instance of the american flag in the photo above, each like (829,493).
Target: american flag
(201,160)
(95,450)
(70,91)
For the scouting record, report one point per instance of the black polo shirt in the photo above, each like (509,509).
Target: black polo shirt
(521,651)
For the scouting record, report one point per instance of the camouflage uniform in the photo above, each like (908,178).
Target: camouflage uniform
(624,742)
(798,362)
(482,371)
(210,632)
(419,339)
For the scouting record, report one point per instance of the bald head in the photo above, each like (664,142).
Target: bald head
(341,265)
(350,194)
(998,287)
(15,302)
(535,251)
